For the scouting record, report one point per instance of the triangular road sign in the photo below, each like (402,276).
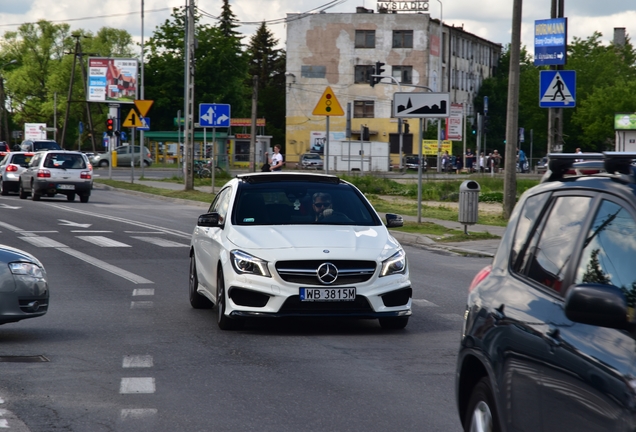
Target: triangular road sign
(143,106)
(328,104)
(558,91)
(132,120)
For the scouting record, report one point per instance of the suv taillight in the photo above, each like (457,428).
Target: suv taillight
(85,175)
(483,274)
(42,173)
(12,168)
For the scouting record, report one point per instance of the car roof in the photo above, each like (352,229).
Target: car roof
(268,177)
(613,165)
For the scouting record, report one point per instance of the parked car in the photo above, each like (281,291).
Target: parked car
(57,172)
(11,166)
(297,245)
(25,288)
(542,165)
(124,155)
(39,145)
(549,340)
(413,162)
(311,160)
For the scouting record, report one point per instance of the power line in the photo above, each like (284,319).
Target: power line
(88,18)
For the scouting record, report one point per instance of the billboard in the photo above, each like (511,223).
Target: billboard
(112,80)
(550,41)
(455,123)
(35,131)
(625,121)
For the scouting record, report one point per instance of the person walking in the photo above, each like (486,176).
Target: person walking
(276,161)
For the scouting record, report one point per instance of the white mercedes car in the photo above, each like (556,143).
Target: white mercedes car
(297,245)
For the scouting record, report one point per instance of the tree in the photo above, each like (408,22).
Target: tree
(268,64)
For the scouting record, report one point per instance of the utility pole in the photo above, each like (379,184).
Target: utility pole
(512,117)
(189,99)
(253,131)
(555,115)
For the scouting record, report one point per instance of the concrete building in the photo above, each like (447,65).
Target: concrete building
(340,50)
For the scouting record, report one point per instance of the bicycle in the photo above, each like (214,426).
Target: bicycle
(202,170)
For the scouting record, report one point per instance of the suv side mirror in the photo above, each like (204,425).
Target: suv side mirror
(598,305)
(394,220)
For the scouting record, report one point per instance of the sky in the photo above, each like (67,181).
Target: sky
(489,19)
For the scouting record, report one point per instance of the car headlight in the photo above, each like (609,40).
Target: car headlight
(244,263)
(27,269)
(396,264)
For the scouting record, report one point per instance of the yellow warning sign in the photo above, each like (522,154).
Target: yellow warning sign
(132,120)
(328,105)
(143,106)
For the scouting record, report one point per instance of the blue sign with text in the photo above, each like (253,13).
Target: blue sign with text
(550,41)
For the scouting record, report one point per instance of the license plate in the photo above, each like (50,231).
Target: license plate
(68,187)
(327,294)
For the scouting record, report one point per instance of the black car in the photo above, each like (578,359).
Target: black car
(549,337)
(39,145)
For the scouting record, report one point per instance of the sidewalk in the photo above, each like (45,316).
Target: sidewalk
(484,248)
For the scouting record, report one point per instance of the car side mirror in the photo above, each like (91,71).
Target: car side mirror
(394,220)
(597,304)
(209,220)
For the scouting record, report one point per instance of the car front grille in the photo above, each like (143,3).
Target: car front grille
(293,306)
(305,273)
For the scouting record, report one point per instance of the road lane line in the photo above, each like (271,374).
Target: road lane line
(137,361)
(143,292)
(422,302)
(137,385)
(43,242)
(138,413)
(141,305)
(105,266)
(160,241)
(102,241)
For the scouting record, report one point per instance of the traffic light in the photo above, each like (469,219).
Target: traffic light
(486,124)
(377,70)
(110,125)
(474,129)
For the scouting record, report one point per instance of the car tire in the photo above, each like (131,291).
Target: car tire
(197,301)
(146,164)
(481,414)
(393,323)
(224,322)
(103,163)
(22,193)
(3,188)
(70,197)
(84,198)
(35,196)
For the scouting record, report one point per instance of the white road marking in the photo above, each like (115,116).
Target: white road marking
(90,231)
(422,302)
(43,242)
(105,266)
(141,305)
(37,232)
(4,424)
(137,361)
(144,232)
(102,241)
(75,224)
(452,317)
(160,241)
(137,385)
(143,291)
(7,206)
(9,226)
(139,413)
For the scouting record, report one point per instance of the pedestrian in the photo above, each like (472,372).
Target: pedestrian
(496,157)
(578,151)
(445,162)
(523,161)
(470,160)
(459,165)
(482,162)
(276,161)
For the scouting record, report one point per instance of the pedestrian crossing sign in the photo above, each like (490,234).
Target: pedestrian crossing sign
(557,89)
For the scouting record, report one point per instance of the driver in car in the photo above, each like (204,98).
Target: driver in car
(323,209)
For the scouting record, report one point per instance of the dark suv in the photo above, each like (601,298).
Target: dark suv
(39,145)
(549,338)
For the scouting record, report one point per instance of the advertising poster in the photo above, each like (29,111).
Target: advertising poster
(112,80)
(429,147)
(318,140)
(35,131)
(625,121)
(455,123)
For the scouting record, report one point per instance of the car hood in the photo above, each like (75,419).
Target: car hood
(10,254)
(363,242)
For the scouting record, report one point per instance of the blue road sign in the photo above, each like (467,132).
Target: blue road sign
(550,41)
(557,89)
(214,115)
(145,121)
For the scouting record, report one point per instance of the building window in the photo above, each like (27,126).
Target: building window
(402,38)
(404,74)
(363,109)
(363,74)
(365,38)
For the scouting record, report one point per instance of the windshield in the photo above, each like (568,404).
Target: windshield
(46,145)
(299,203)
(312,156)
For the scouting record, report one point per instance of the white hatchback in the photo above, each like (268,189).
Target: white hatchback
(57,172)
(11,167)
(297,245)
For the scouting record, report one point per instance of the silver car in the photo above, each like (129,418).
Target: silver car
(311,160)
(25,290)
(124,155)
(11,166)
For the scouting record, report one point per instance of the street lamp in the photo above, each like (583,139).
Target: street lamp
(2,101)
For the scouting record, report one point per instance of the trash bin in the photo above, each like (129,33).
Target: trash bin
(468,203)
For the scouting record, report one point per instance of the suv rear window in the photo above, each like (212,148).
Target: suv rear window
(65,161)
(46,145)
(4,147)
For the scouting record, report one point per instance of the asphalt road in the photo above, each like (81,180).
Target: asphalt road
(122,350)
